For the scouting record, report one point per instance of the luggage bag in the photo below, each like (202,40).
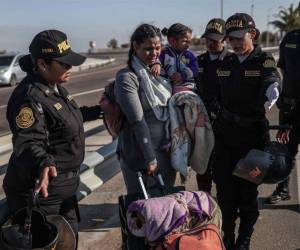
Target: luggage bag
(129,241)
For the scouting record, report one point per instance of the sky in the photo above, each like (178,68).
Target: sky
(102,20)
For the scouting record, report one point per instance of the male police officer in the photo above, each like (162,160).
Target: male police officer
(289,64)
(248,83)
(208,81)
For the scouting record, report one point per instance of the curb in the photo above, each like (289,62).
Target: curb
(93,177)
(6,148)
(93,174)
(92,63)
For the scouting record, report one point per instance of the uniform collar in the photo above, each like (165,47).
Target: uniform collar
(40,83)
(256,52)
(64,93)
(221,55)
(48,89)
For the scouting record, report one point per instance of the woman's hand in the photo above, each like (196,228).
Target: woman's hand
(283,136)
(43,183)
(155,69)
(151,169)
(176,77)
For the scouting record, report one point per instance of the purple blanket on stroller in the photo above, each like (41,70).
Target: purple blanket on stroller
(157,217)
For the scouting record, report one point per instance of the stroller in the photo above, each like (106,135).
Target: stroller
(175,219)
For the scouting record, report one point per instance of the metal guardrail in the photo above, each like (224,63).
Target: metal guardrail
(90,175)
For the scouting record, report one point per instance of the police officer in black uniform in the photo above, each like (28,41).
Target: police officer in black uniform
(208,82)
(47,128)
(288,103)
(249,85)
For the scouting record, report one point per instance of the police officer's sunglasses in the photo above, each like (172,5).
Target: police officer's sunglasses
(66,66)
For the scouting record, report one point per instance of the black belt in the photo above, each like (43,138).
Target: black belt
(70,174)
(290,101)
(227,115)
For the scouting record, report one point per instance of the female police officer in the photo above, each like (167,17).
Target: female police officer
(248,84)
(208,86)
(47,129)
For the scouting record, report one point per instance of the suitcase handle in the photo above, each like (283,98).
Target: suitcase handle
(141,181)
(140,178)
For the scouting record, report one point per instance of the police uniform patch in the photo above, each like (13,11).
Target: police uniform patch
(252,73)
(58,106)
(291,45)
(69,97)
(269,63)
(223,72)
(25,118)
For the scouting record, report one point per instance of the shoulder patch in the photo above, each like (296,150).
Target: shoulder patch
(291,45)
(269,63)
(25,118)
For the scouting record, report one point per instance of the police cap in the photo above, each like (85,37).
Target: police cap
(239,24)
(53,44)
(215,29)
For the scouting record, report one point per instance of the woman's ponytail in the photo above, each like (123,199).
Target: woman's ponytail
(26,63)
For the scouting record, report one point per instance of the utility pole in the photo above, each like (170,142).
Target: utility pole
(252,9)
(222,9)
(268,35)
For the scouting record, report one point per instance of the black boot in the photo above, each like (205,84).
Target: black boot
(229,242)
(281,193)
(243,243)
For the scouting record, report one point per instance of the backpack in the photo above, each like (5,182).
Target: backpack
(112,114)
(205,237)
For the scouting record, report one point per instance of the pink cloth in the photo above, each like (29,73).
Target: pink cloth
(165,214)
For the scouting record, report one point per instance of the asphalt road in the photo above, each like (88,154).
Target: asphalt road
(86,87)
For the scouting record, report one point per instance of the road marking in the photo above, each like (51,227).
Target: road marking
(78,94)
(87,73)
(111,79)
(88,92)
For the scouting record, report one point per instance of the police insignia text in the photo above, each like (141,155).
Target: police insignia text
(234,24)
(63,46)
(215,26)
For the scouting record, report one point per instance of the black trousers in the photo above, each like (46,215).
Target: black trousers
(236,197)
(292,146)
(204,181)
(61,200)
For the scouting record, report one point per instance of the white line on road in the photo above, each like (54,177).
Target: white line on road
(94,72)
(88,92)
(77,94)
(111,79)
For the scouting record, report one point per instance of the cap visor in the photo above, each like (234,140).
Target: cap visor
(213,36)
(238,33)
(72,58)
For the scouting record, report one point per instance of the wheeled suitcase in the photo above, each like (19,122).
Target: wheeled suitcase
(129,241)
